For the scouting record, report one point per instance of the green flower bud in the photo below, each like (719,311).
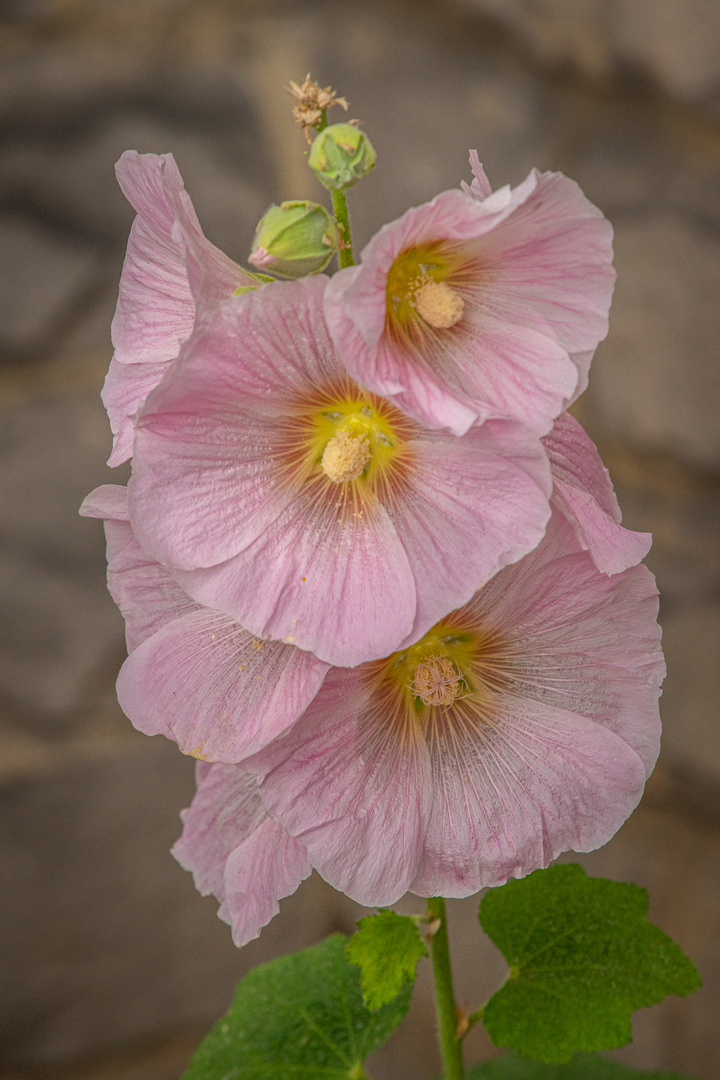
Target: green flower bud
(294,239)
(341,155)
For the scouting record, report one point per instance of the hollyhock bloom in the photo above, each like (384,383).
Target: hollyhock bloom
(236,852)
(194,674)
(583,492)
(520,726)
(479,304)
(281,492)
(156,309)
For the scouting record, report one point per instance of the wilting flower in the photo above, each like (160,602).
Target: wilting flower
(583,493)
(311,511)
(156,309)
(520,726)
(479,305)
(193,674)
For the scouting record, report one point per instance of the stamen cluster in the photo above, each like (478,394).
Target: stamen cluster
(372,571)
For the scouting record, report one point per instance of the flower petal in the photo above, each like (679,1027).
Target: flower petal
(590,643)
(156,309)
(473,505)
(267,867)
(512,796)
(221,694)
(327,578)
(583,492)
(353,786)
(207,442)
(147,594)
(126,387)
(236,852)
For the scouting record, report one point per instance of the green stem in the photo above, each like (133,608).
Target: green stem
(340,210)
(345,249)
(450,1044)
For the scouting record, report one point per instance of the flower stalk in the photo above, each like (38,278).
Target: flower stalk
(446,1010)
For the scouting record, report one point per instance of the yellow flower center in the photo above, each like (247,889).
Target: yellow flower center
(345,457)
(421,282)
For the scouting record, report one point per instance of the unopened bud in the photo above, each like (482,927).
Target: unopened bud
(294,239)
(341,155)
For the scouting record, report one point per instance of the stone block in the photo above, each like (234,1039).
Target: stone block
(41,277)
(105,941)
(656,380)
(673,42)
(75,184)
(66,629)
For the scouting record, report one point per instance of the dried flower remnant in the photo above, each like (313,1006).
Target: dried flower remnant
(312,102)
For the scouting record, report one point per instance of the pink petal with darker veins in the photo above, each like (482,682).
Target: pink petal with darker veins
(156,305)
(352,790)
(474,505)
(125,389)
(236,852)
(583,492)
(511,797)
(221,694)
(333,583)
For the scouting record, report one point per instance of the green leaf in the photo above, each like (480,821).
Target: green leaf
(582,1067)
(301,1016)
(582,956)
(386,948)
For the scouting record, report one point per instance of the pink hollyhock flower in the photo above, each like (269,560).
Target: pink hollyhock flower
(520,726)
(281,492)
(194,674)
(236,852)
(478,304)
(583,492)
(156,309)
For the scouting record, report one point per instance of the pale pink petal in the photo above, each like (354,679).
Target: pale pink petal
(481,186)
(583,492)
(266,867)
(335,581)
(512,795)
(472,506)
(226,810)
(148,596)
(354,788)
(106,501)
(549,264)
(215,689)
(589,643)
(235,852)
(156,309)
(207,441)
(126,387)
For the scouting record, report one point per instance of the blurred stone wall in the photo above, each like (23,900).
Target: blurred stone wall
(112,965)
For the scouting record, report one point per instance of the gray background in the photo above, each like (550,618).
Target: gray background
(112,965)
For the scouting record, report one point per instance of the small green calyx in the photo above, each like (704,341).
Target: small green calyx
(294,239)
(340,156)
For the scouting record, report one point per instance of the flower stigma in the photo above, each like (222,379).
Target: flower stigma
(345,457)
(437,681)
(421,284)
